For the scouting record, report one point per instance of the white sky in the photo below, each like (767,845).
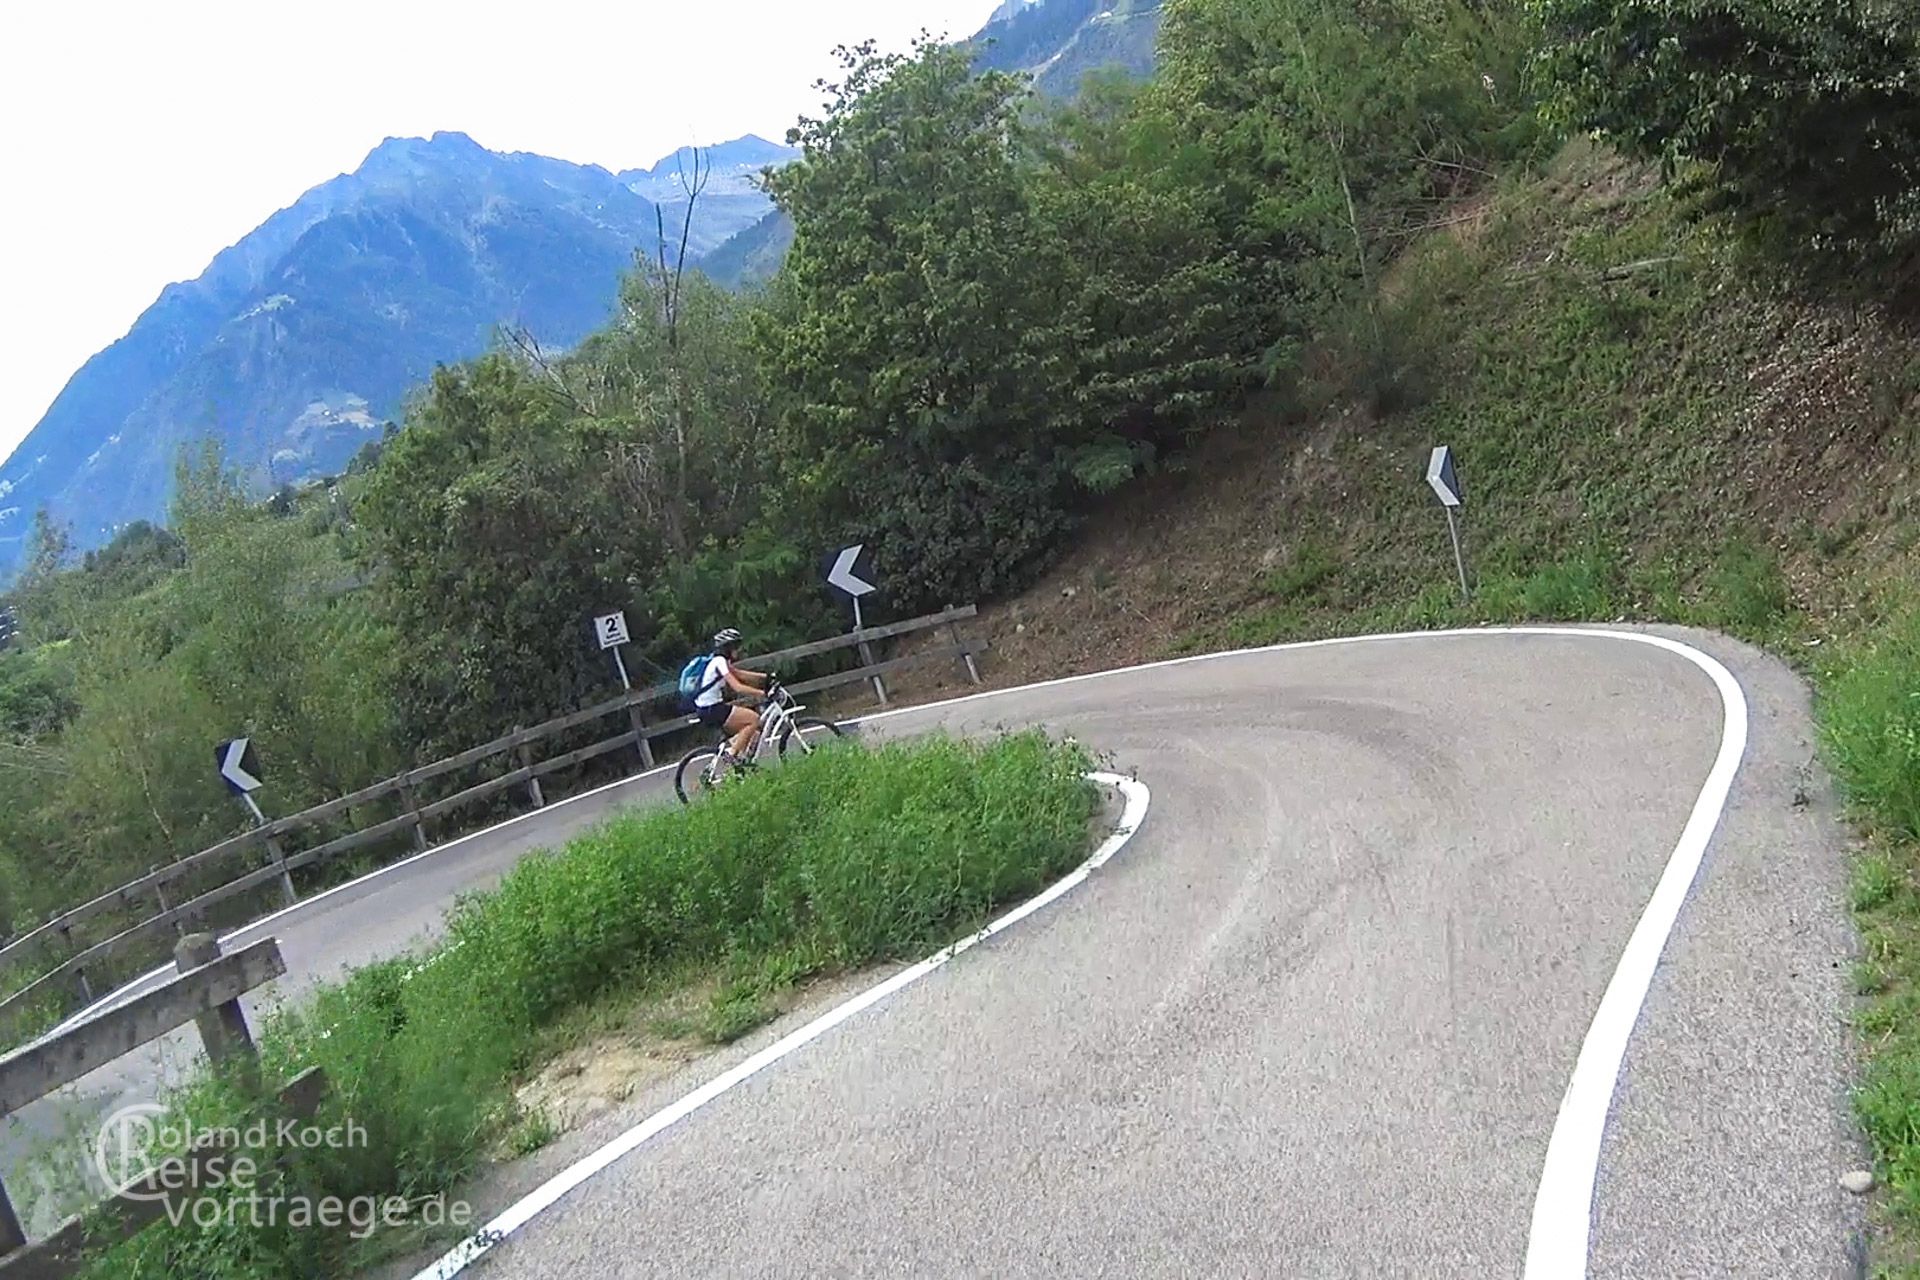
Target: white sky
(143,138)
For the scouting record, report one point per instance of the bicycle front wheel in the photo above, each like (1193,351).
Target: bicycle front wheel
(694,777)
(795,734)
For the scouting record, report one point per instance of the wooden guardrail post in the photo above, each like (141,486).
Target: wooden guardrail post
(12,1235)
(160,892)
(639,724)
(223,1029)
(524,756)
(410,797)
(953,634)
(278,853)
(81,985)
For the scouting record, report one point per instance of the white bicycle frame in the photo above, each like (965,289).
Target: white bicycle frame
(778,715)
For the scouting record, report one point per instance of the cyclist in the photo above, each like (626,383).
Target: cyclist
(711,704)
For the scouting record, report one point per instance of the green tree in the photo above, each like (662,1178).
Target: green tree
(1806,111)
(172,644)
(915,335)
(42,596)
(1338,129)
(259,629)
(674,398)
(1153,297)
(494,532)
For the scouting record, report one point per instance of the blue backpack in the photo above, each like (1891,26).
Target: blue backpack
(693,681)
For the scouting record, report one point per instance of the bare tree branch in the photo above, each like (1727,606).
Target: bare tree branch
(537,359)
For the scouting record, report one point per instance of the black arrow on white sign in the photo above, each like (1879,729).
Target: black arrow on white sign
(239,766)
(1445,482)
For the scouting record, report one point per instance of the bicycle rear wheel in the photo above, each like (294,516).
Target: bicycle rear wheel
(795,734)
(694,777)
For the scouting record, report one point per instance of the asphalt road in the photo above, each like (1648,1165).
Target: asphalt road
(1316,1019)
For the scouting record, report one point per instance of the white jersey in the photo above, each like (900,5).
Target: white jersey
(713,684)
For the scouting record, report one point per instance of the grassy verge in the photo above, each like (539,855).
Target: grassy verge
(826,864)
(1870,725)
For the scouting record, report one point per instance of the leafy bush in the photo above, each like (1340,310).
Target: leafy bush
(1809,114)
(36,693)
(1749,593)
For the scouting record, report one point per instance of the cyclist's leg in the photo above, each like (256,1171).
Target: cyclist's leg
(744,724)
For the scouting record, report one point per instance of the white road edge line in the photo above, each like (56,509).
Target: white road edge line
(555,1188)
(1558,1241)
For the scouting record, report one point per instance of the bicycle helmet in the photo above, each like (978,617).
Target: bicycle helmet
(726,639)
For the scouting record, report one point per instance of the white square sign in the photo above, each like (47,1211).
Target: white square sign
(612,630)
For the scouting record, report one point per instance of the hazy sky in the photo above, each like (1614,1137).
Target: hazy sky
(143,138)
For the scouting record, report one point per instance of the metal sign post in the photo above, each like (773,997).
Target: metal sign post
(851,574)
(1444,479)
(240,771)
(611,628)
(1459,559)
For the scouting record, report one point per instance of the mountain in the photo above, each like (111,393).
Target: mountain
(295,344)
(1010,9)
(751,257)
(298,344)
(730,202)
(1058,42)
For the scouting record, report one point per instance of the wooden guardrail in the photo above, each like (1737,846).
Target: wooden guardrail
(271,864)
(207,993)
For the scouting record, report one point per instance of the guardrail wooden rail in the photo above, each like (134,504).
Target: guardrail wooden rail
(207,992)
(272,864)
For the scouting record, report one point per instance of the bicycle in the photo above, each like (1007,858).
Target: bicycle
(781,725)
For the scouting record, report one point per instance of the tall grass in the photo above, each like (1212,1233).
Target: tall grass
(827,863)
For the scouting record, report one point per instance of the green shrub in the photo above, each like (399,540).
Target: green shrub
(1311,567)
(1808,114)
